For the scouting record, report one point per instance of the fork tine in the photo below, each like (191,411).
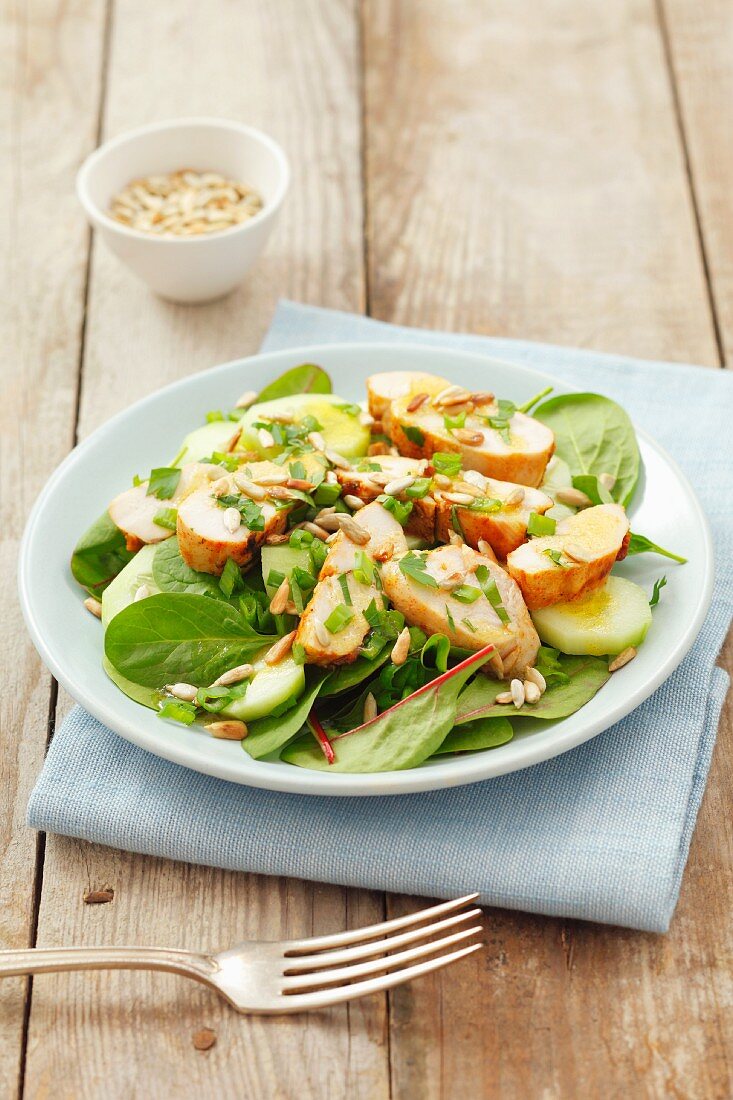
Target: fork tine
(372,931)
(297,963)
(374,966)
(296,1002)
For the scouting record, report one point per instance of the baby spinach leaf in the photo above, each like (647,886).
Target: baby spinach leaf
(349,676)
(659,584)
(99,555)
(269,734)
(177,636)
(171,574)
(307,378)
(591,486)
(482,733)
(585,676)
(594,436)
(640,544)
(401,737)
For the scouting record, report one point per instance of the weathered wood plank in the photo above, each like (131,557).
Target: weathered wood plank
(292,68)
(525,178)
(49,101)
(699,38)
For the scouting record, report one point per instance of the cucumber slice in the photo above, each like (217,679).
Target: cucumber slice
(341,429)
(284,559)
(557,476)
(270,687)
(604,621)
(116,598)
(203,441)
(121,591)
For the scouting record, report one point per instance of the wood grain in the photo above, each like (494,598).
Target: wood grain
(292,68)
(699,39)
(49,100)
(525,177)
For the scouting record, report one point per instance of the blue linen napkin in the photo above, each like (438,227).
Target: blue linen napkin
(600,833)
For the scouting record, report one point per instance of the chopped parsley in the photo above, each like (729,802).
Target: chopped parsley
(555,556)
(366,466)
(220,458)
(658,586)
(166,517)
(415,567)
(350,410)
(413,434)
(297,469)
(163,482)
(500,422)
(540,525)
(250,512)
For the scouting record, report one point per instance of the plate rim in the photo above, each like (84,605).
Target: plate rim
(289,779)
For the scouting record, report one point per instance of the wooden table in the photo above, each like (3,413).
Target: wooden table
(552,169)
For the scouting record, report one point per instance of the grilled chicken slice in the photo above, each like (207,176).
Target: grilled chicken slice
(576,559)
(522,459)
(384,388)
(379,472)
(134,511)
(505,529)
(205,541)
(469,625)
(322,647)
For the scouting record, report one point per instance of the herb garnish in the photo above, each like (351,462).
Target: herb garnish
(250,512)
(413,434)
(418,489)
(469,625)
(485,504)
(416,568)
(344,583)
(491,591)
(556,557)
(501,421)
(540,525)
(449,617)
(457,421)
(163,482)
(400,509)
(166,517)
(231,578)
(658,586)
(446,463)
(339,618)
(466,593)
(640,544)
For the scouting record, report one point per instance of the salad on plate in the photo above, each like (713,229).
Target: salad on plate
(364,587)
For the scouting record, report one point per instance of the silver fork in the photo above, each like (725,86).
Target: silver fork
(271,977)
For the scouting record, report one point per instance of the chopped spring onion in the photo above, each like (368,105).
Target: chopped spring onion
(177,711)
(298,653)
(275,578)
(448,464)
(300,538)
(466,593)
(364,569)
(231,578)
(418,489)
(451,620)
(457,421)
(556,557)
(490,590)
(344,583)
(540,525)
(399,509)
(339,618)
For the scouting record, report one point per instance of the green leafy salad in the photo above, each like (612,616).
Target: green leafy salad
(360,588)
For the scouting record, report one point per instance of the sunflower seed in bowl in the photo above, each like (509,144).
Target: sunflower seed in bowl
(185,203)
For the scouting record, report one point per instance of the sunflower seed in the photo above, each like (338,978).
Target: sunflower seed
(280,649)
(231,730)
(451,581)
(486,549)
(254,492)
(185,692)
(323,636)
(531,692)
(460,398)
(300,484)
(234,676)
(281,597)
(458,498)
(371,710)
(577,553)
(467,487)
(473,477)
(515,497)
(467,436)
(366,419)
(455,539)
(337,460)
(504,697)
(247,398)
(623,658)
(277,540)
(535,677)
(354,530)
(607,481)
(265,438)
(330,478)
(94,606)
(574,498)
(394,488)
(353,502)
(142,593)
(440,397)
(271,479)
(417,401)
(316,441)
(442,481)
(401,648)
(483,398)
(220,487)
(517,691)
(324,512)
(232,520)
(316,530)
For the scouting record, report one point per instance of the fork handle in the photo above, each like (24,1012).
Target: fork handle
(47,960)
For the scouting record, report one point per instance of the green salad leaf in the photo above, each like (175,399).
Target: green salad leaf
(402,736)
(267,735)
(482,733)
(176,636)
(171,574)
(99,555)
(582,677)
(594,435)
(640,544)
(307,378)
(350,676)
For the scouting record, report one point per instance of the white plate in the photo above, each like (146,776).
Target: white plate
(70,641)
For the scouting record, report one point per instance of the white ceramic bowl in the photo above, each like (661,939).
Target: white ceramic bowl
(187,269)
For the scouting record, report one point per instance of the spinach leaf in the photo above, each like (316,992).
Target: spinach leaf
(176,636)
(269,734)
(171,574)
(307,378)
(350,676)
(591,486)
(594,436)
(640,544)
(482,733)
(99,555)
(659,584)
(585,676)
(401,737)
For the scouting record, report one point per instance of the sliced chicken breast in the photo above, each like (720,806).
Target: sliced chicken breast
(521,460)
(205,538)
(470,625)
(504,529)
(576,559)
(377,473)
(134,511)
(321,646)
(384,388)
